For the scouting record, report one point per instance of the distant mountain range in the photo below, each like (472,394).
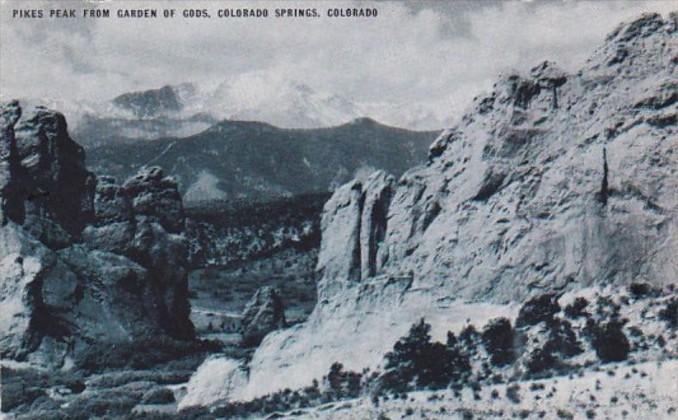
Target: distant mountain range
(254,160)
(185,109)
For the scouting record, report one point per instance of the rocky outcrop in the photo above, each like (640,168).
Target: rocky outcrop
(508,206)
(264,313)
(512,197)
(59,188)
(354,224)
(79,269)
(141,220)
(11,207)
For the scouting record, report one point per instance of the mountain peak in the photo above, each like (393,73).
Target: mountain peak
(150,103)
(364,121)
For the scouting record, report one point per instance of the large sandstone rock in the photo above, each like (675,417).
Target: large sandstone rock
(58,185)
(550,182)
(12,206)
(354,223)
(264,313)
(76,270)
(135,220)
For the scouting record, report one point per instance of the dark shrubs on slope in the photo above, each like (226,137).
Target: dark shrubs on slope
(540,308)
(608,340)
(416,362)
(497,338)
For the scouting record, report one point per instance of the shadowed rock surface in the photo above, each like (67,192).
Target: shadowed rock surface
(79,270)
(263,314)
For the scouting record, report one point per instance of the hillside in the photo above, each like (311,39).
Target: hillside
(237,159)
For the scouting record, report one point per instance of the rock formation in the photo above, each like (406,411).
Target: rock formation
(551,182)
(82,265)
(354,224)
(142,220)
(508,198)
(264,313)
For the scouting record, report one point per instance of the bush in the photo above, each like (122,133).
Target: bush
(513,393)
(497,338)
(540,308)
(670,313)
(416,361)
(343,384)
(577,308)
(642,290)
(609,341)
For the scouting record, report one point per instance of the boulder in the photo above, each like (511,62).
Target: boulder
(264,313)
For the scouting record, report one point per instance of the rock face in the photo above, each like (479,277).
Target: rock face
(81,263)
(142,220)
(11,207)
(551,182)
(59,186)
(264,313)
(354,224)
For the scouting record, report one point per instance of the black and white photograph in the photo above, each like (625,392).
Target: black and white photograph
(339,209)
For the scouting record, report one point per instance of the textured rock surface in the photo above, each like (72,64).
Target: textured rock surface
(141,220)
(354,224)
(121,280)
(11,207)
(58,185)
(550,182)
(264,313)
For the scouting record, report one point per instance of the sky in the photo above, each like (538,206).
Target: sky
(413,52)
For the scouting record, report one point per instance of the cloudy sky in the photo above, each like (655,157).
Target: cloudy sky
(428,51)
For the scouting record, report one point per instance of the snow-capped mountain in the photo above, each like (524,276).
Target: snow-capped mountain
(190,108)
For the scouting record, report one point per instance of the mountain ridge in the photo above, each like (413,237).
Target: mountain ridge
(241,159)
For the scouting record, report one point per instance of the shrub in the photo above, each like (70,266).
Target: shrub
(642,290)
(609,341)
(669,314)
(577,308)
(416,361)
(343,384)
(540,308)
(497,338)
(513,393)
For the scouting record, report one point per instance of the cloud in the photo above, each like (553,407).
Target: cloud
(438,52)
